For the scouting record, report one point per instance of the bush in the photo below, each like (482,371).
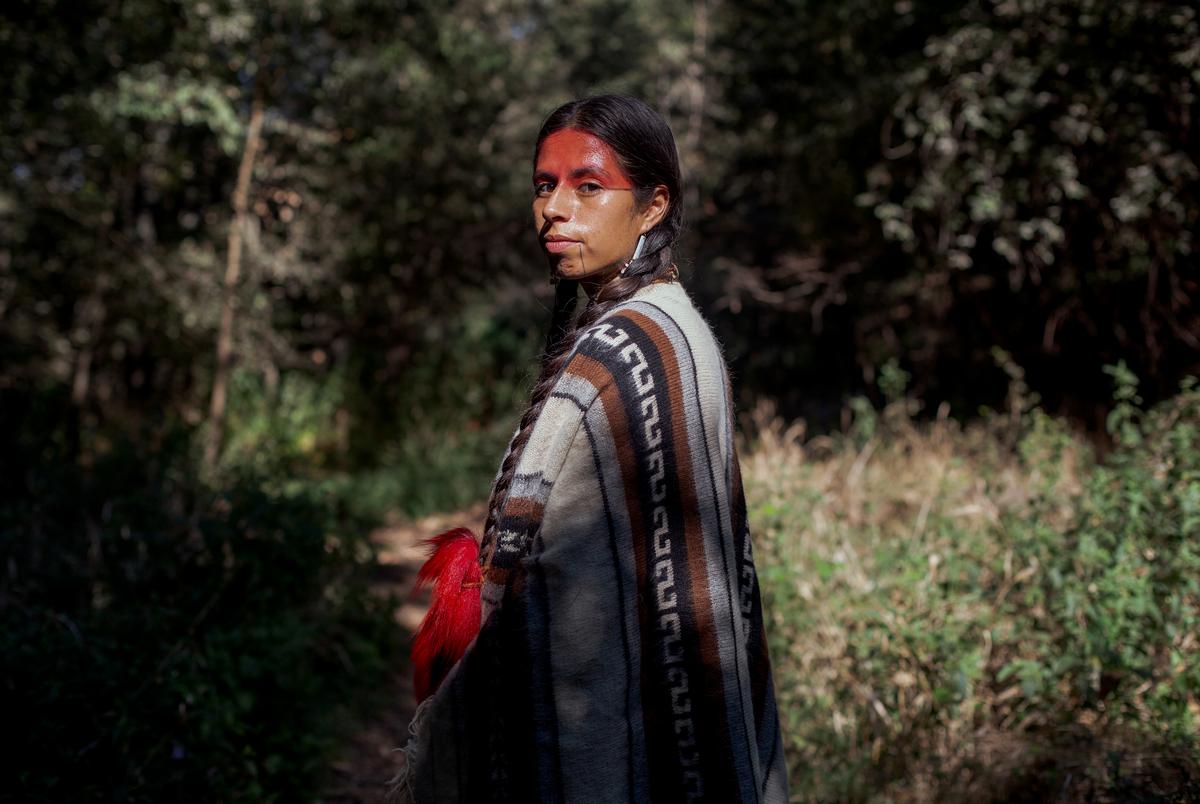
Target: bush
(160,640)
(987,610)
(425,439)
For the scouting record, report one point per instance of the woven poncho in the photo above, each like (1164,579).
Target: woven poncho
(622,656)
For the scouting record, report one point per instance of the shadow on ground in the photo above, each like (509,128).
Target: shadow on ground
(371,756)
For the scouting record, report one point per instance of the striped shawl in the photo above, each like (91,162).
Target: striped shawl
(622,656)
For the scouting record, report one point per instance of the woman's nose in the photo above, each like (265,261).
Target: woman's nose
(558,205)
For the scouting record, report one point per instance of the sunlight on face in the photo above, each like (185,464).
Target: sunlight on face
(583,205)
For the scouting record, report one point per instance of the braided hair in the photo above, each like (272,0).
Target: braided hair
(645,149)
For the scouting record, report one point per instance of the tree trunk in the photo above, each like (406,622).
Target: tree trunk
(233,269)
(695,82)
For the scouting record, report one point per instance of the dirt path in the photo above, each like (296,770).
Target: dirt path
(370,757)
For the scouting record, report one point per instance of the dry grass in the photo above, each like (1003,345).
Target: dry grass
(911,633)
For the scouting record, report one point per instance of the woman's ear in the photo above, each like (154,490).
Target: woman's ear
(656,209)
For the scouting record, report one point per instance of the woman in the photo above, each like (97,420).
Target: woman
(621,655)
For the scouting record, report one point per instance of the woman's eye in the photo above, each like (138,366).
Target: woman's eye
(542,188)
(589,187)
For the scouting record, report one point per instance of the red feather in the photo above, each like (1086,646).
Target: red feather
(453,617)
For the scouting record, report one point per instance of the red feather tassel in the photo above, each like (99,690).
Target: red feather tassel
(453,617)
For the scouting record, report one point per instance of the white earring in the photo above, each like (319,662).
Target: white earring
(637,252)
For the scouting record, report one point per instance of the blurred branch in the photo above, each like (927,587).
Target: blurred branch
(797,283)
(233,267)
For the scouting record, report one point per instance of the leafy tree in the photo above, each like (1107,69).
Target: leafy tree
(1041,173)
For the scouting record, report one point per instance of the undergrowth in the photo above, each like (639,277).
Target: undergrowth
(165,640)
(988,611)
(428,440)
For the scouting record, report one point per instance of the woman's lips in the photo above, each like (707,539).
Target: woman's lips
(559,246)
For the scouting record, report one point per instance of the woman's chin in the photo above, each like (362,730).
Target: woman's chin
(571,268)
(568,269)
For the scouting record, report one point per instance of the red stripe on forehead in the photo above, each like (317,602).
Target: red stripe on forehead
(573,152)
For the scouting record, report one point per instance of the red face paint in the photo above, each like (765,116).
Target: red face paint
(583,208)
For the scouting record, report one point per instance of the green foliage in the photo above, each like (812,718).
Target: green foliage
(893,381)
(956,613)
(1121,586)
(1034,188)
(1124,419)
(152,96)
(927,180)
(1021,158)
(161,640)
(439,444)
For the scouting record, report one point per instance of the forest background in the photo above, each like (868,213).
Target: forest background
(268,280)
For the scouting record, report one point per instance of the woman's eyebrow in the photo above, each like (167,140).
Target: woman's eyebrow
(577,173)
(598,172)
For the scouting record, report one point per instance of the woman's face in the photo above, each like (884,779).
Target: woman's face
(587,218)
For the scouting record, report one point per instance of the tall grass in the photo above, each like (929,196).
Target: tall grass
(987,610)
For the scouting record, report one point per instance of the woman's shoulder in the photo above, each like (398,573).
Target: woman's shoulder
(659,333)
(668,314)
(661,305)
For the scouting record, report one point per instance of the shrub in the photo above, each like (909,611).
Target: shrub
(160,640)
(984,610)
(410,441)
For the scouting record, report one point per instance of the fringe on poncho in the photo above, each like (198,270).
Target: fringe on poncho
(621,656)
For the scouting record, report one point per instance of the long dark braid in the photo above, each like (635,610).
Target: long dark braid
(645,148)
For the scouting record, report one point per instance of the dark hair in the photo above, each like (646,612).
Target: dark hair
(645,148)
